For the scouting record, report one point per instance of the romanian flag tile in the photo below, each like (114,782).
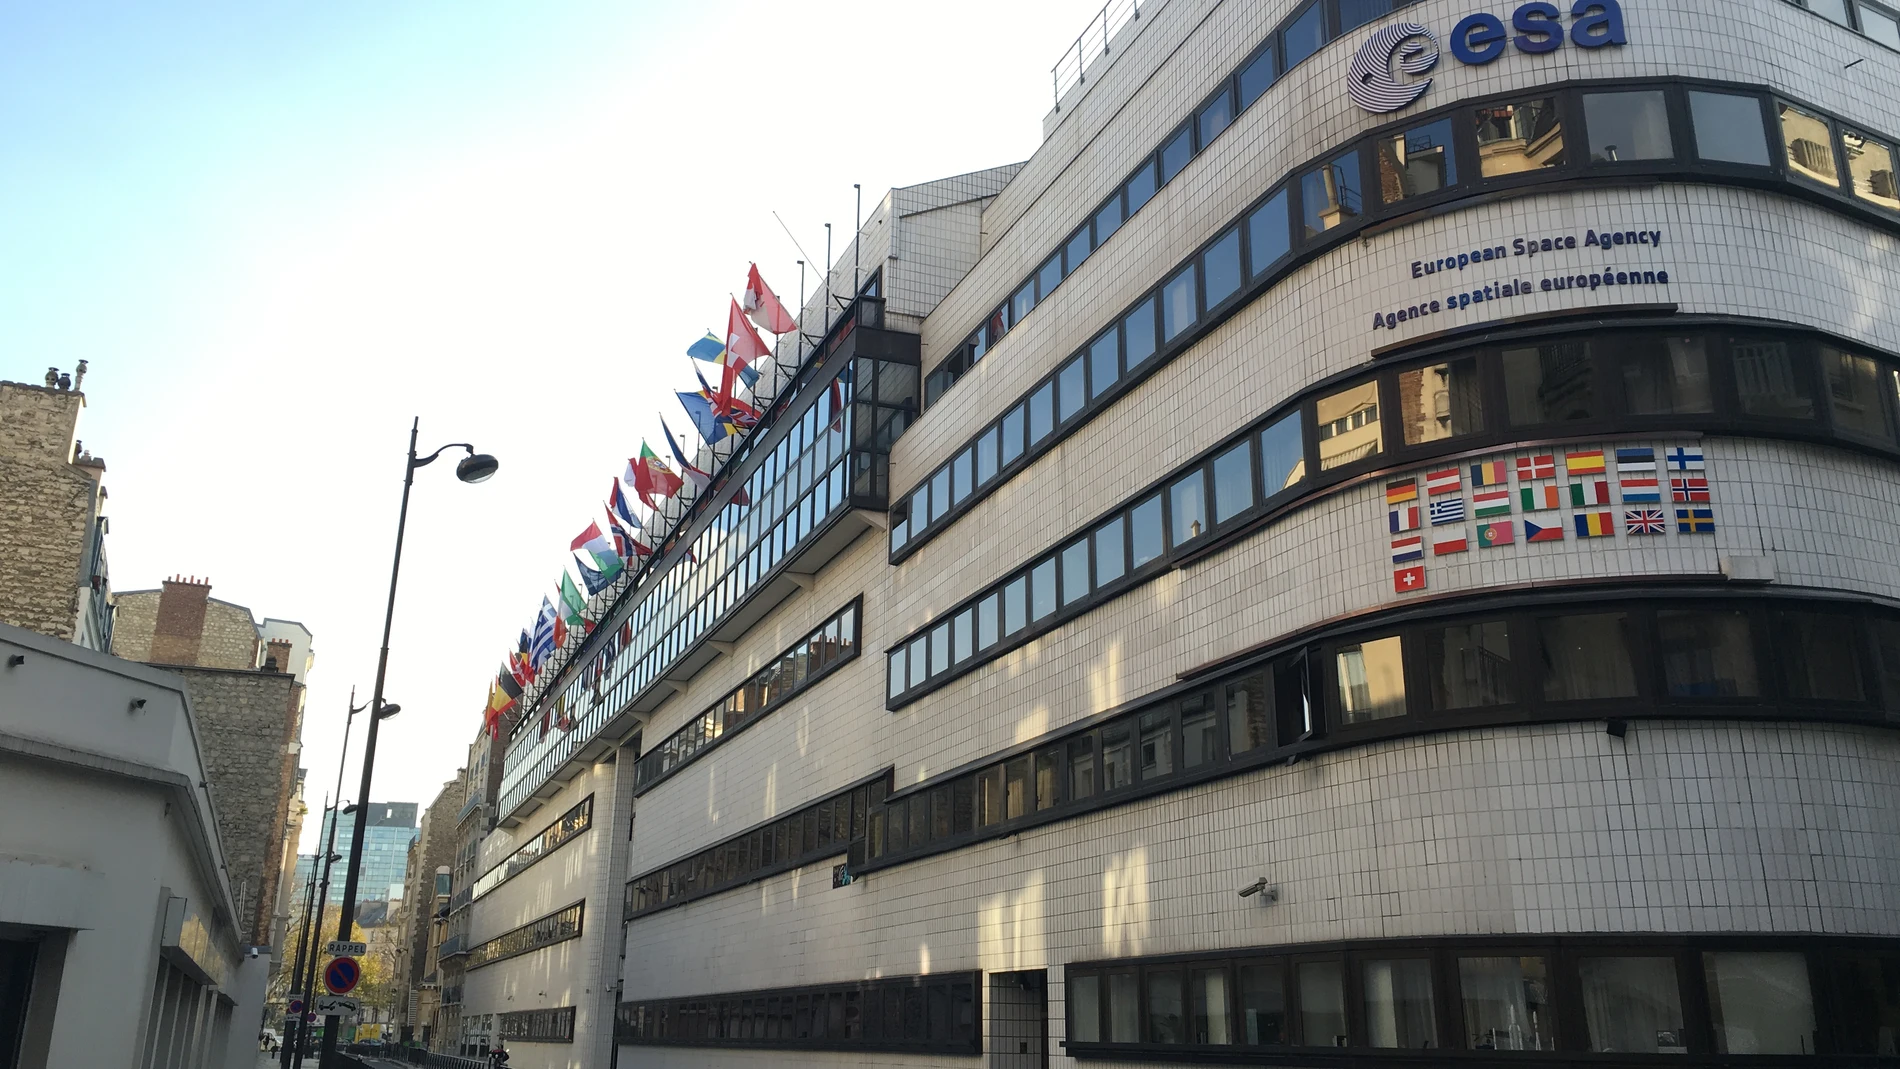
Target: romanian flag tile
(1595,524)
(1489,473)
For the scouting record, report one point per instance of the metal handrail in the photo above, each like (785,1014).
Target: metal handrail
(1071,70)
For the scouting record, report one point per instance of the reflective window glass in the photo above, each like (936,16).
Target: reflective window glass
(1157,745)
(919,658)
(1728,128)
(1257,77)
(987,448)
(1118,755)
(1049,276)
(1262,990)
(1887,648)
(989,797)
(1551,383)
(1868,989)
(1514,138)
(1398,1003)
(1207,1007)
(1632,1005)
(962,475)
(1880,25)
(1820,656)
(1139,187)
(1016,788)
(1371,678)
(1164,1007)
(1470,665)
(1012,433)
(1859,391)
(1322,986)
(1015,605)
(1586,656)
(1177,304)
(1349,429)
(963,636)
(1110,556)
(1042,412)
(1215,117)
(1071,388)
(1269,234)
(1627,126)
(1870,164)
(1144,536)
(1441,401)
(1048,763)
(1664,376)
(1416,162)
(1042,590)
(1075,571)
(1707,654)
(1187,508)
(940,648)
(939,493)
(1200,733)
(1809,140)
(1081,768)
(1233,482)
(1022,302)
(1108,219)
(1356,13)
(1305,34)
(1506,1004)
(986,621)
(1220,268)
(1124,1008)
(1248,716)
(1832,10)
(1760,1003)
(1771,379)
(1076,250)
(1330,196)
(1176,154)
(1138,330)
(897,683)
(1104,363)
(1282,454)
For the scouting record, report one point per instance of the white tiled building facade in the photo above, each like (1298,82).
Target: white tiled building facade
(1296,673)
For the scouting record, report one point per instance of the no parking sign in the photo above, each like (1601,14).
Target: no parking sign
(341,975)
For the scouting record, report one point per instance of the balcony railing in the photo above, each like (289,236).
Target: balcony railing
(453,945)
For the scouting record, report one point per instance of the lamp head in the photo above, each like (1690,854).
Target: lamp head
(388,710)
(476,467)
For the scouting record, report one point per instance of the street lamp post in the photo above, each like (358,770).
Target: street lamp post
(474,468)
(306,975)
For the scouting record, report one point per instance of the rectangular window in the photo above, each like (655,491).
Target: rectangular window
(1398,1003)
(1144,536)
(1015,605)
(1832,10)
(1139,187)
(1880,25)
(1809,140)
(1305,34)
(1282,454)
(1207,1007)
(1586,656)
(1771,379)
(1164,1007)
(1118,755)
(1329,197)
(1187,508)
(1664,376)
(1820,656)
(1016,788)
(1215,117)
(987,448)
(1138,329)
(1506,1004)
(1177,304)
(1262,1005)
(1515,138)
(1887,647)
(989,797)
(1371,678)
(1049,276)
(1076,250)
(939,493)
(1859,391)
(1868,986)
(1258,77)
(1104,362)
(1081,768)
(1108,219)
(1416,162)
(1322,1003)
(1627,126)
(1707,654)
(1071,388)
(986,622)
(1269,234)
(1124,1008)
(1042,412)
(1075,571)
(1356,13)
(1870,164)
(1441,401)
(1551,383)
(963,636)
(1012,428)
(1021,302)
(1176,154)
(1248,715)
(1048,781)
(1085,1008)
(1157,746)
(1220,268)
(1233,481)
(1110,552)
(919,658)
(1349,428)
(1728,128)
(962,476)
(1470,665)
(1200,733)
(940,649)
(1042,590)
(1632,1005)
(1760,1003)
(898,683)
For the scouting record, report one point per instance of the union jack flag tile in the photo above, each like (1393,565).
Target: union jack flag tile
(1644,521)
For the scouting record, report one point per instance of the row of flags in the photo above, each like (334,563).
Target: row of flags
(717,412)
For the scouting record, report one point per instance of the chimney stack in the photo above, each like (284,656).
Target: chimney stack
(179,631)
(278,659)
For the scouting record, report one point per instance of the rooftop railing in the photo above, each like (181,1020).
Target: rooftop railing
(1072,69)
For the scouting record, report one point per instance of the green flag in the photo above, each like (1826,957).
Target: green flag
(571,601)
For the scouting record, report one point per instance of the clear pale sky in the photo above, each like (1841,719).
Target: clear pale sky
(279,231)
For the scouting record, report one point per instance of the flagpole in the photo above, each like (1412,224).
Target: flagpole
(857,245)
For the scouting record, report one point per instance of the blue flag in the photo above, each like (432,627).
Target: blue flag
(700,411)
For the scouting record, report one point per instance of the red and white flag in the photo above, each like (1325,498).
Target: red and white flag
(763,306)
(744,348)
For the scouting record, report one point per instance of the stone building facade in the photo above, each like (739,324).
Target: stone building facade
(433,849)
(53,578)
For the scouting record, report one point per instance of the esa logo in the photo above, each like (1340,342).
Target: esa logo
(1412,50)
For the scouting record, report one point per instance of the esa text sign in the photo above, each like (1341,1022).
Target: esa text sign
(1410,50)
